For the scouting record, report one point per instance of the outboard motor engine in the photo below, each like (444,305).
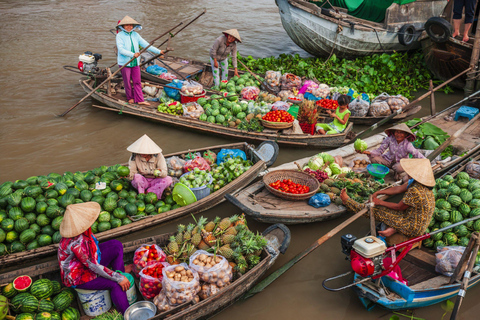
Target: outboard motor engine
(88,62)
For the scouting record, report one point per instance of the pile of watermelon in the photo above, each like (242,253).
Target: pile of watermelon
(41,300)
(456,199)
(31,210)
(226,111)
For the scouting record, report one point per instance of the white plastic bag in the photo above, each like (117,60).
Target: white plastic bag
(211,268)
(281,105)
(176,286)
(359,107)
(284,94)
(147,255)
(473,169)
(322,91)
(250,93)
(397,102)
(447,259)
(192,110)
(380,107)
(291,81)
(272,78)
(175,166)
(361,166)
(191,88)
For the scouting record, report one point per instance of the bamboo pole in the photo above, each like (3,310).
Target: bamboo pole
(432,100)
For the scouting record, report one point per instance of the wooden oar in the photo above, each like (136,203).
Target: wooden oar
(113,74)
(255,76)
(408,107)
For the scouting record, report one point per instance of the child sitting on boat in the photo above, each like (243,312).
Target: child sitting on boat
(340,118)
(399,144)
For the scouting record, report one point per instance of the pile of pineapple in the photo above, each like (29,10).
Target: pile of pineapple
(228,237)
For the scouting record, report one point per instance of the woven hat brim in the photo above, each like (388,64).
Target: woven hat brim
(234,33)
(144,145)
(78,218)
(127,20)
(401,127)
(420,170)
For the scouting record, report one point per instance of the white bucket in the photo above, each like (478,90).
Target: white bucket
(132,295)
(94,302)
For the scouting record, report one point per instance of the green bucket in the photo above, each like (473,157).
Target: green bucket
(293,110)
(131,292)
(182,195)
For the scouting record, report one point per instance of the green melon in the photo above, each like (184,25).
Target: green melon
(51,194)
(32,191)
(442,215)
(140,205)
(476,194)
(94,227)
(57,237)
(53,211)
(24,316)
(443,193)
(52,202)
(151,198)
(11,236)
(463,184)
(460,231)
(448,178)
(29,304)
(476,225)
(104,216)
(66,200)
(16,246)
(17,301)
(126,221)
(21,224)
(55,315)
(27,236)
(463,241)
(7,224)
(3,235)
(464,209)
(56,223)
(454,200)
(28,204)
(35,227)
(443,204)
(474,186)
(44,240)
(20,184)
(70,314)
(74,192)
(42,288)
(9,291)
(119,213)
(43,316)
(475,212)
(463,176)
(450,238)
(112,195)
(131,209)
(56,287)
(15,213)
(123,171)
(110,204)
(474,203)
(445,224)
(438,243)
(116,185)
(98,199)
(455,216)
(149,208)
(466,196)
(61,188)
(104,226)
(40,198)
(33,245)
(48,230)
(86,195)
(41,207)
(115,223)
(428,243)
(81,185)
(43,220)
(5,191)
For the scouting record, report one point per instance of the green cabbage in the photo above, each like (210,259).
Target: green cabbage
(326,157)
(360,145)
(345,169)
(315,163)
(328,171)
(335,168)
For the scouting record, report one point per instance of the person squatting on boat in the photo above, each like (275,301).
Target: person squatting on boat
(84,262)
(128,45)
(340,118)
(458,6)
(148,168)
(414,212)
(223,46)
(399,144)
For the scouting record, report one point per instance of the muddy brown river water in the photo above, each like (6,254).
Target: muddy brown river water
(38,37)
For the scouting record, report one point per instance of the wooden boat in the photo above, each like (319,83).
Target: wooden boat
(322,32)
(257,202)
(277,235)
(203,204)
(425,286)
(368,121)
(116,103)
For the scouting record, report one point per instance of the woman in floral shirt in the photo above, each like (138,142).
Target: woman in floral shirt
(84,262)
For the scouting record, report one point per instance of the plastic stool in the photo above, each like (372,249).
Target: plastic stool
(467,112)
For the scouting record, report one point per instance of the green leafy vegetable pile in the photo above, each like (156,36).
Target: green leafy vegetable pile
(429,136)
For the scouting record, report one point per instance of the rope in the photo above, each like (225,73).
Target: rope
(339,29)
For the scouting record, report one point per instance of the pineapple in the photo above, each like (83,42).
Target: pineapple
(241,220)
(196,238)
(228,238)
(211,225)
(224,224)
(201,222)
(179,236)
(233,220)
(231,231)
(208,238)
(173,245)
(203,246)
(226,251)
(188,233)
(253,260)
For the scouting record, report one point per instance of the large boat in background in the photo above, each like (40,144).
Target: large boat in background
(324,31)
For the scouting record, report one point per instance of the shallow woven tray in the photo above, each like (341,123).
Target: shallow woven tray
(276,125)
(295,176)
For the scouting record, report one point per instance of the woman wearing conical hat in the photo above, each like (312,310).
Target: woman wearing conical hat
(414,212)
(396,146)
(148,168)
(128,45)
(84,263)
(223,46)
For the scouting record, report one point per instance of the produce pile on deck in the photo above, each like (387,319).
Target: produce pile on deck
(42,299)
(239,102)
(456,199)
(202,258)
(31,210)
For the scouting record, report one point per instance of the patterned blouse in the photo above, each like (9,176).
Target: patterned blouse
(396,151)
(413,221)
(79,259)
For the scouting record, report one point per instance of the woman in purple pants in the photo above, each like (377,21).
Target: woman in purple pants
(84,262)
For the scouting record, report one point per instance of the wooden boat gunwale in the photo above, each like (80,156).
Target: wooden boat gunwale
(203,204)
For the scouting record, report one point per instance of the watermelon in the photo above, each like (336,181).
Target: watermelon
(51,194)
(131,199)
(31,217)
(119,213)
(438,243)
(463,176)
(121,203)
(149,208)
(53,211)
(151,198)
(56,287)
(42,288)
(104,226)
(11,236)
(442,184)
(29,304)
(32,191)
(3,235)
(43,316)
(454,200)
(3,249)
(15,213)
(437,236)
(131,209)
(460,231)
(61,188)
(455,216)
(55,315)
(123,194)
(476,194)
(21,224)
(9,291)
(45,305)
(22,283)
(443,204)
(450,238)
(104,216)
(44,240)
(474,186)
(448,178)
(28,204)
(442,215)
(476,225)
(7,224)
(40,198)
(57,237)
(24,316)
(35,227)
(463,241)
(66,200)
(86,195)
(56,223)
(27,236)
(81,185)
(123,171)
(48,230)
(140,205)
(62,301)
(98,199)
(41,207)
(43,220)
(20,184)
(464,209)
(115,223)
(94,227)
(443,193)
(475,212)
(126,221)
(112,195)
(5,191)
(70,314)
(445,224)
(74,192)
(33,245)
(18,300)
(453,189)
(465,195)
(474,203)
(116,185)
(463,184)
(428,243)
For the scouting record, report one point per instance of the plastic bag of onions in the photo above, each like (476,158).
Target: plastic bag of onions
(180,284)
(211,268)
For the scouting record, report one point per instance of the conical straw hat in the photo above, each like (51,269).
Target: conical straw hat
(420,170)
(78,218)
(144,145)
(402,127)
(127,20)
(234,33)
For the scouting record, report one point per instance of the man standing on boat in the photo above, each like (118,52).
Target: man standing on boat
(221,49)
(458,6)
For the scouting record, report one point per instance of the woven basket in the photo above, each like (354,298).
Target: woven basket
(276,125)
(295,176)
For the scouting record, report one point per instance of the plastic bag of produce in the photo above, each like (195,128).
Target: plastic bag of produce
(319,200)
(397,102)
(322,91)
(174,93)
(156,70)
(359,107)
(211,268)
(267,97)
(191,88)
(290,81)
(175,166)
(359,163)
(210,156)
(167,76)
(250,93)
(180,284)
(272,78)
(151,279)
(284,94)
(379,108)
(308,86)
(147,255)
(198,162)
(232,152)
(473,169)
(208,289)
(447,259)
(192,110)
(151,91)
(280,105)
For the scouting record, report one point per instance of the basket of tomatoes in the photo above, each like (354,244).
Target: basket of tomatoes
(291,184)
(327,104)
(277,119)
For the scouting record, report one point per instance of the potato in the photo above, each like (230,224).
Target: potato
(179,268)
